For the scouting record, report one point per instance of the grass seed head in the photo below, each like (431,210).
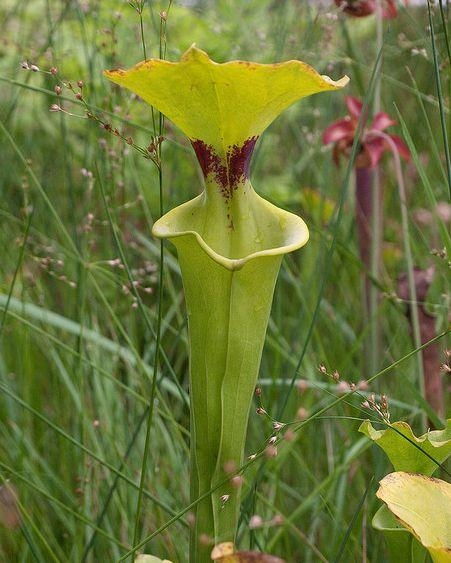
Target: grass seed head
(255,522)
(237,481)
(271,451)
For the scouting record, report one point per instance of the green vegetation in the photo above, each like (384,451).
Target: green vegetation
(83,300)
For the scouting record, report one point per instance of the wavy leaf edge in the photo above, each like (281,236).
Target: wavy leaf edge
(435,437)
(297,235)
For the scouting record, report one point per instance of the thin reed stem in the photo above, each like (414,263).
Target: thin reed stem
(162,52)
(376,215)
(439,90)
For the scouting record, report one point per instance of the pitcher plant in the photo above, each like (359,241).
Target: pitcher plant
(230,244)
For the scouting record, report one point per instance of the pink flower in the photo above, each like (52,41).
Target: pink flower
(362,8)
(342,132)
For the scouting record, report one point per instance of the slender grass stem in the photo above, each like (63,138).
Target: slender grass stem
(16,272)
(439,93)
(162,51)
(376,214)
(141,26)
(153,389)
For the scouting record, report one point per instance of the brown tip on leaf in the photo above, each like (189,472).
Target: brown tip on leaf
(113,72)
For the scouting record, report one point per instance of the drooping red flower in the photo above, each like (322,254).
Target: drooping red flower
(342,132)
(362,8)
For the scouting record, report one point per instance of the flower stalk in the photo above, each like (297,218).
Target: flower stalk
(433,384)
(368,192)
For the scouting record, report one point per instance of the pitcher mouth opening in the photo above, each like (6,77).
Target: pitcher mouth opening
(291,235)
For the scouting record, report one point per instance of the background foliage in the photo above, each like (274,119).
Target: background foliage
(76,353)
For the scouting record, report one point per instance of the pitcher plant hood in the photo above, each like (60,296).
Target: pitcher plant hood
(223,109)
(223,104)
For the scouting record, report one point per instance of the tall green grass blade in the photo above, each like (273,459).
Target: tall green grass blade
(440,94)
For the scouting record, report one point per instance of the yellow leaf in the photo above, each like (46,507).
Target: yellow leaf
(423,505)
